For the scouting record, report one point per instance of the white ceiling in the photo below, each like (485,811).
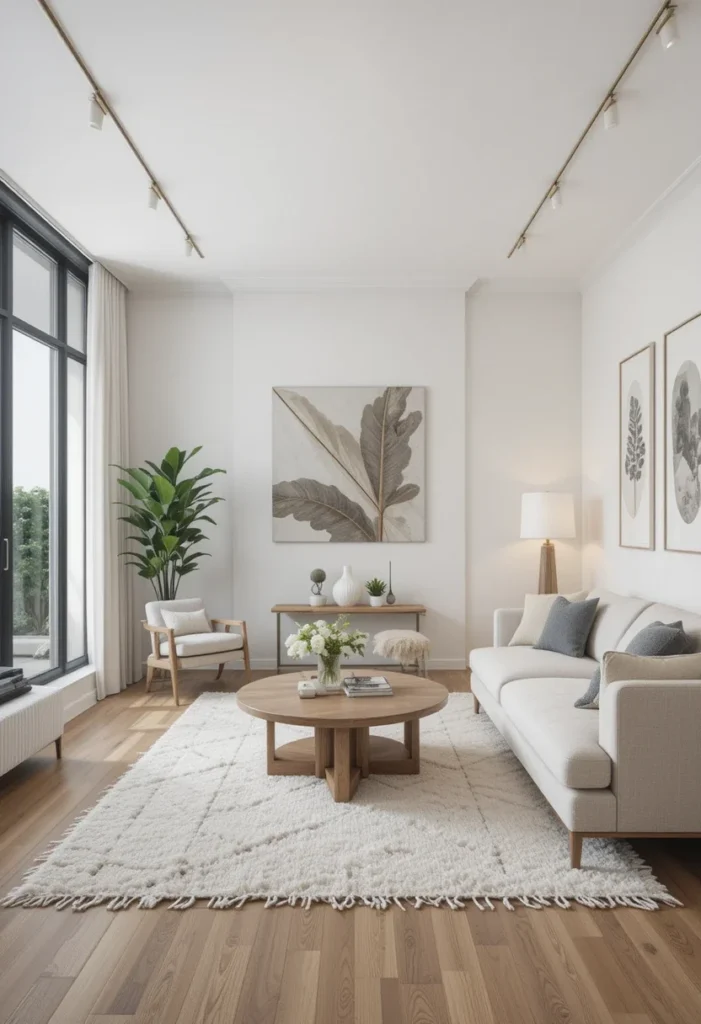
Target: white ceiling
(311,143)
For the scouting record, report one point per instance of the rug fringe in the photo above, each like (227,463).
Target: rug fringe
(19,898)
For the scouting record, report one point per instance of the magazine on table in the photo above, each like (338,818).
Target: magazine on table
(367,686)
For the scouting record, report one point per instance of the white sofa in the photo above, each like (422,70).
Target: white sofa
(633,768)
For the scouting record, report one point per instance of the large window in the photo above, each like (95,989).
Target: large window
(43,303)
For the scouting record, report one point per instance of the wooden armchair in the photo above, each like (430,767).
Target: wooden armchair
(194,650)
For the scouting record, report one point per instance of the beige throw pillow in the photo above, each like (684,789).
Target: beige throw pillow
(184,623)
(536,608)
(617,665)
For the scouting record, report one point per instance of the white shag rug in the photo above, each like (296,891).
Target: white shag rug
(197,817)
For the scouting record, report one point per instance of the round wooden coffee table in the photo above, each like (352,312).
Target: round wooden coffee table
(342,750)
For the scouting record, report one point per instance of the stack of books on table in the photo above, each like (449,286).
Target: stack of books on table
(366,686)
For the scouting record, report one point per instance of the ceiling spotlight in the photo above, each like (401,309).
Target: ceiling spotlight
(154,196)
(555,197)
(611,113)
(667,29)
(97,112)
(189,245)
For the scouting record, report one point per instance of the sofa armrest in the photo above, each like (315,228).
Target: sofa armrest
(506,622)
(650,730)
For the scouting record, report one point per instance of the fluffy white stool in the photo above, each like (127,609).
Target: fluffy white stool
(406,646)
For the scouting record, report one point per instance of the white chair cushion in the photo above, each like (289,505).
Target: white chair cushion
(565,737)
(663,613)
(614,615)
(186,604)
(536,608)
(185,623)
(195,645)
(497,666)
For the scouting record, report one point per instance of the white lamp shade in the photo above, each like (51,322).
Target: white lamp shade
(547,515)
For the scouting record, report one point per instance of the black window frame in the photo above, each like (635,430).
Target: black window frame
(17,216)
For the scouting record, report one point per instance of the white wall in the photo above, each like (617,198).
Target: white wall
(182,392)
(523,434)
(651,287)
(352,337)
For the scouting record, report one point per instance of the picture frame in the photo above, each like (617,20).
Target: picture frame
(682,437)
(636,449)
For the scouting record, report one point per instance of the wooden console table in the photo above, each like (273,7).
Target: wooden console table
(332,611)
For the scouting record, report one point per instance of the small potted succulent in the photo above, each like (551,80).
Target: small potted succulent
(376,589)
(316,598)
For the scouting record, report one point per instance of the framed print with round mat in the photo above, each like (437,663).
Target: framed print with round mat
(682,437)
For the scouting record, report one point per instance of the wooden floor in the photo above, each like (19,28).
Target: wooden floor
(321,966)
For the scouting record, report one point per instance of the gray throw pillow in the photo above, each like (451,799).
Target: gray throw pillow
(653,641)
(567,627)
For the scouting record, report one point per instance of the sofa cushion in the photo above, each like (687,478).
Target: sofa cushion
(567,741)
(497,666)
(665,613)
(536,608)
(568,626)
(196,644)
(613,617)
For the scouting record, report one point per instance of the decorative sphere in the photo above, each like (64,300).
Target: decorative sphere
(317,575)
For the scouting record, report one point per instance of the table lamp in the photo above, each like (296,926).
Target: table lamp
(547,516)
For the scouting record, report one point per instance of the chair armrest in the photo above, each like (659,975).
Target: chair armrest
(506,622)
(228,622)
(155,631)
(650,730)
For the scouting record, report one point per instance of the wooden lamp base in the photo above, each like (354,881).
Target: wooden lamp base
(547,581)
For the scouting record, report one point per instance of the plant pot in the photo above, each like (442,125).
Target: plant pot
(345,590)
(317,600)
(328,674)
(376,601)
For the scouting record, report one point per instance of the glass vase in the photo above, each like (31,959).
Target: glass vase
(328,673)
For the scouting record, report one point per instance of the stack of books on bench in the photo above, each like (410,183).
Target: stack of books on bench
(12,684)
(366,686)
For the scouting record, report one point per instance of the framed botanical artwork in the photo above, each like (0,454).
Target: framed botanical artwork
(636,445)
(682,440)
(348,464)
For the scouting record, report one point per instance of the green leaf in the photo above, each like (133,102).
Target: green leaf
(139,492)
(170,543)
(166,490)
(194,451)
(172,457)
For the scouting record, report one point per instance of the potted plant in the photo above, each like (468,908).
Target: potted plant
(316,598)
(329,641)
(376,589)
(165,514)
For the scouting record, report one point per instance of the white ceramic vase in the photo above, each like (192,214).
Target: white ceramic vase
(317,600)
(345,590)
(376,601)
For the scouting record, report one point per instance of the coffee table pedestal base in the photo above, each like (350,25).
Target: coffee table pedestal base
(344,756)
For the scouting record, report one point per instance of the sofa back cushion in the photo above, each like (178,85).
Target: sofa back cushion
(614,616)
(664,613)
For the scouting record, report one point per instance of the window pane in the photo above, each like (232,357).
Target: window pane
(33,503)
(33,285)
(75,313)
(75,519)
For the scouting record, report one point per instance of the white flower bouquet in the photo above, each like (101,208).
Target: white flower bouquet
(329,641)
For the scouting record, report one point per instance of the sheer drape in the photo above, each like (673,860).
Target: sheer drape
(107,429)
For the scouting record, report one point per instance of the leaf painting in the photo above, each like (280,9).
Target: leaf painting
(348,464)
(635,450)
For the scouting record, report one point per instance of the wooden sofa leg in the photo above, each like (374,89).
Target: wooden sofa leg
(174,683)
(221,669)
(59,747)
(476,704)
(576,849)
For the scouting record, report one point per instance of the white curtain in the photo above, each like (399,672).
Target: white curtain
(107,428)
